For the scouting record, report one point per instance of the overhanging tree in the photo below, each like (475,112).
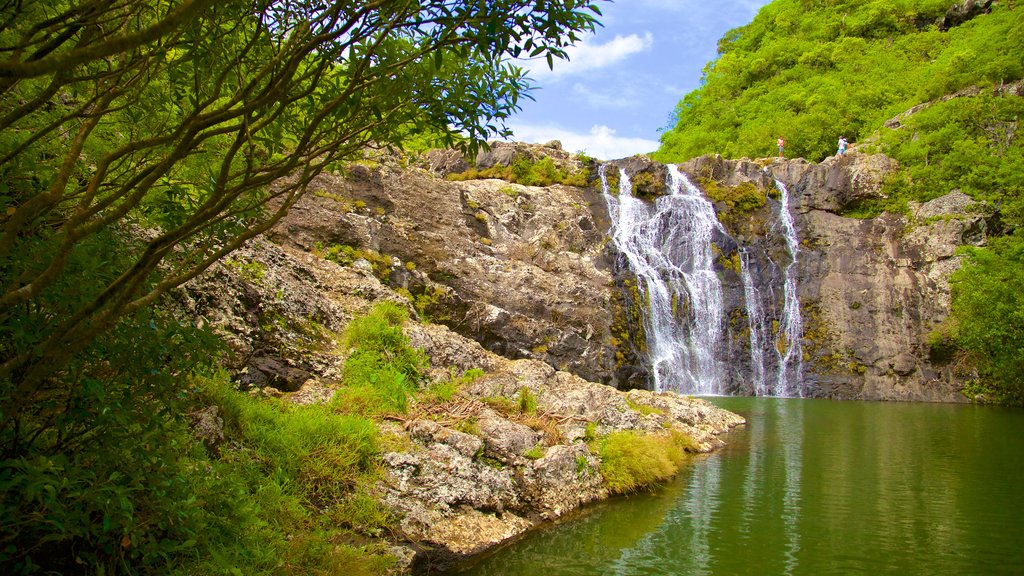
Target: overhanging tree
(203,121)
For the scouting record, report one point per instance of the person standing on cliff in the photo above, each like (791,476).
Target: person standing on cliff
(782,146)
(842,146)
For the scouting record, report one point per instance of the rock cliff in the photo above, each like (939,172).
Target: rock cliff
(871,290)
(523,270)
(528,271)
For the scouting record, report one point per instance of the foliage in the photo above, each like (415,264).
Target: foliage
(140,142)
(812,71)
(96,467)
(527,401)
(968,144)
(383,371)
(106,477)
(542,172)
(443,391)
(632,460)
(205,121)
(988,315)
(304,473)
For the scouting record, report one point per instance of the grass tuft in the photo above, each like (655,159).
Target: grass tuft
(632,460)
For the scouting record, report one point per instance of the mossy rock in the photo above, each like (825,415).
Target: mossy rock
(648,186)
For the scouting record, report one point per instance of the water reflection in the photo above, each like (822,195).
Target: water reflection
(810,488)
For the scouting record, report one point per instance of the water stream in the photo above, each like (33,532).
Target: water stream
(672,246)
(668,247)
(790,373)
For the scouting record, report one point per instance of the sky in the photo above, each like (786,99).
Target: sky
(616,94)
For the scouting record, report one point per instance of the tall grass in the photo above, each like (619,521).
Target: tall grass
(383,371)
(632,460)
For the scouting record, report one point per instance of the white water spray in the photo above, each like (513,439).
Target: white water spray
(757,323)
(790,334)
(668,247)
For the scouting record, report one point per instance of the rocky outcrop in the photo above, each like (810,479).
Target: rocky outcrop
(963,11)
(528,272)
(461,493)
(507,451)
(521,269)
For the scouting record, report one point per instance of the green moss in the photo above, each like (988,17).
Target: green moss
(647,186)
(646,409)
(629,337)
(540,172)
(534,453)
(612,177)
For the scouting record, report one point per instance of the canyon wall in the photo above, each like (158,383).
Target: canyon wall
(529,272)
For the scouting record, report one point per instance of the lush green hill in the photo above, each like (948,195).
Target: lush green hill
(812,70)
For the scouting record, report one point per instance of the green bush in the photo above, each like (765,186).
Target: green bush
(632,460)
(97,468)
(101,474)
(382,371)
(988,316)
(811,72)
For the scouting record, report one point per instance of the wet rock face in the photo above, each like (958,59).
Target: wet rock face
(521,269)
(870,290)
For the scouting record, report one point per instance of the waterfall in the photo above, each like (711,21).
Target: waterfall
(668,248)
(789,347)
(757,323)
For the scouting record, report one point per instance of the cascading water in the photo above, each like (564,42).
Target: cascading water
(789,347)
(668,247)
(757,323)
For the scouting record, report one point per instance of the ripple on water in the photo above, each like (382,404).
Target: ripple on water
(812,487)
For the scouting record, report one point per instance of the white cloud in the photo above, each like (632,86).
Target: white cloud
(601,142)
(587,56)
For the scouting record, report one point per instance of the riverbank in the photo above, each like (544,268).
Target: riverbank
(811,486)
(483,449)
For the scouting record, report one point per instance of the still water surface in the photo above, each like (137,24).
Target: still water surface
(812,487)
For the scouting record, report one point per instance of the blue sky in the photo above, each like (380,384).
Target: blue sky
(618,90)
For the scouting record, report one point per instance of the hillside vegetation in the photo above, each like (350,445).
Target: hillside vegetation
(143,142)
(813,70)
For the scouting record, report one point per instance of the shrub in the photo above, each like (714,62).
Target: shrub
(632,460)
(383,370)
